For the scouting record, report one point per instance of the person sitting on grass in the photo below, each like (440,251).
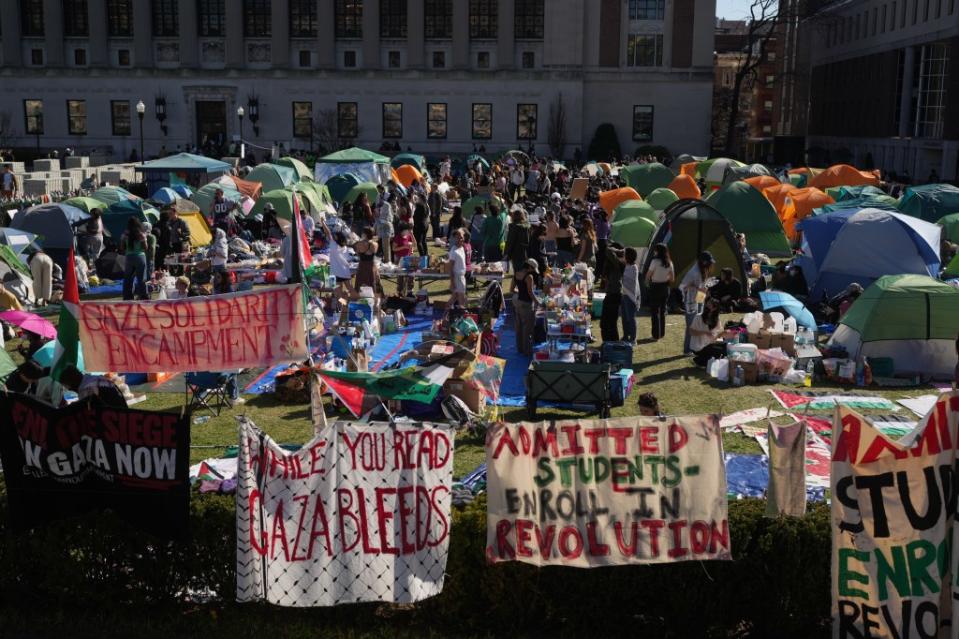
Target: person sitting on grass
(727,290)
(704,330)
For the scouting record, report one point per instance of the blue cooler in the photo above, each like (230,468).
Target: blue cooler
(619,354)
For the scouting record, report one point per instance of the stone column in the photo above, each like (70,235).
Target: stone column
(905,102)
(189,33)
(12,46)
(280,33)
(415,16)
(235,43)
(506,34)
(668,36)
(97,17)
(461,34)
(142,35)
(53,31)
(371,35)
(326,35)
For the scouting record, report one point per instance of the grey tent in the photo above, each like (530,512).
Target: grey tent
(736,173)
(16,276)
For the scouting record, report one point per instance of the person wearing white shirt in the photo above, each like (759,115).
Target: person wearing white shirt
(631,295)
(219,250)
(693,288)
(659,276)
(458,269)
(339,261)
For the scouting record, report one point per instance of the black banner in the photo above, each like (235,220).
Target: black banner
(87,456)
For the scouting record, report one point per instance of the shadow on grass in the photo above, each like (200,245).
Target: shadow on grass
(684,373)
(663,360)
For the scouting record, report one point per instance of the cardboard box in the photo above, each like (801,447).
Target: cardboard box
(750,372)
(762,340)
(471,395)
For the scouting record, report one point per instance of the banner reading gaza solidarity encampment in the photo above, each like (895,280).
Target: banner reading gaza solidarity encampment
(894,532)
(359,513)
(86,456)
(598,493)
(215,333)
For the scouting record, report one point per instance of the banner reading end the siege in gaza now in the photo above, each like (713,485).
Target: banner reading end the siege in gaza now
(359,513)
(59,462)
(214,333)
(607,492)
(894,532)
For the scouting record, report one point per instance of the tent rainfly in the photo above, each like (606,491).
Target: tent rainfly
(366,165)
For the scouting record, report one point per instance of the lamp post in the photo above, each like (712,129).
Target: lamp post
(240,113)
(141,109)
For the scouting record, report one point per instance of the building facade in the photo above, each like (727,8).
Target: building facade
(884,86)
(433,75)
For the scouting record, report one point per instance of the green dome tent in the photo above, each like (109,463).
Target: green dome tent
(116,215)
(691,227)
(661,198)
(841,193)
(882,202)
(949,224)
(363,187)
(632,209)
(908,318)
(646,178)
(302,171)
(339,185)
(272,176)
(86,204)
(930,202)
(470,206)
(282,201)
(751,213)
(737,173)
(413,159)
(635,232)
(113,194)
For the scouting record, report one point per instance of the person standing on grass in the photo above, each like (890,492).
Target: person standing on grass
(524,300)
(457,258)
(133,245)
(384,221)
(436,203)
(421,227)
(631,294)
(658,278)
(518,240)
(494,233)
(615,264)
(693,288)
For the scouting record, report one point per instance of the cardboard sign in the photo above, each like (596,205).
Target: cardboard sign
(607,492)
(359,513)
(579,189)
(255,329)
(894,530)
(86,456)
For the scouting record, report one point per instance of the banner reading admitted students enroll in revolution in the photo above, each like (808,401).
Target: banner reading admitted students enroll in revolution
(215,333)
(894,530)
(607,492)
(359,513)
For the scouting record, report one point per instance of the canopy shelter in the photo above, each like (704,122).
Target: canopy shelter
(749,212)
(844,175)
(206,194)
(737,173)
(645,178)
(685,187)
(247,188)
(631,209)
(661,198)
(910,319)
(366,165)
(303,172)
(950,227)
(181,168)
(873,243)
(413,159)
(930,202)
(18,241)
(113,194)
(407,175)
(165,195)
(115,217)
(634,231)
(339,185)
(54,225)
(363,187)
(691,227)
(762,182)
(470,205)
(272,176)
(798,205)
(609,200)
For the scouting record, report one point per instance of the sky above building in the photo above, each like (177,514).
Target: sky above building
(732,9)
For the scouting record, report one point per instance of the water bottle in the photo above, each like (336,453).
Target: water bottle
(739,378)
(201,420)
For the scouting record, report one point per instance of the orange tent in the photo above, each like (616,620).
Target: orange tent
(777,195)
(249,188)
(760,182)
(407,174)
(688,169)
(609,200)
(607,169)
(798,205)
(684,186)
(844,175)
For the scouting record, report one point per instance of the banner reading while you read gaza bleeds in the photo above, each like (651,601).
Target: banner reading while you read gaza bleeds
(60,462)
(214,333)
(359,513)
(606,492)
(894,570)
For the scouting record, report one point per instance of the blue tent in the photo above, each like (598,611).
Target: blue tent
(818,232)
(930,202)
(165,195)
(872,243)
(182,189)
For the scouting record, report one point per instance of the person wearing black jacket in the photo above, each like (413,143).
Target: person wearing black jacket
(421,222)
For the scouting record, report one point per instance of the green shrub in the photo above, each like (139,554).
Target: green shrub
(96,565)
(605,144)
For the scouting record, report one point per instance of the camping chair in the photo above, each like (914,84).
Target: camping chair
(209,391)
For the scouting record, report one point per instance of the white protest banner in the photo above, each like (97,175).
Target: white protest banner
(607,492)
(215,333)
(359,513)
(894,530)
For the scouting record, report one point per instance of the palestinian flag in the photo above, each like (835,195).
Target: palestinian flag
(67,347)
(418,384)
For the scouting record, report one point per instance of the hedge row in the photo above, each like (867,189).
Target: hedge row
(778,584)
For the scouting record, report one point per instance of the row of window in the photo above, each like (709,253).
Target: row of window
(347,120)
(889,16)
(303,18)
